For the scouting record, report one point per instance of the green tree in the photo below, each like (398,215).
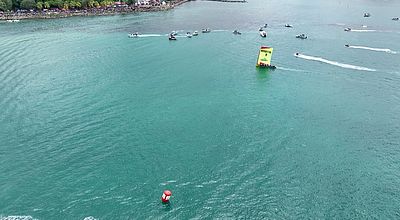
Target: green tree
(39,5)
(5,5)
(28,4)
(46,5)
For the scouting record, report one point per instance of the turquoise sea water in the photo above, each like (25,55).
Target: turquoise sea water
(93,123)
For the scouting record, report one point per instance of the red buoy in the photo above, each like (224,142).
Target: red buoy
(165,196)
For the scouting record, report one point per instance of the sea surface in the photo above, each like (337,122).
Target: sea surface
(96,125)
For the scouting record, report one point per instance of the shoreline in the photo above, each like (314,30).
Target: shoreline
(105,11)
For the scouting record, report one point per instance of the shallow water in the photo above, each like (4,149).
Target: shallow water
(94,123)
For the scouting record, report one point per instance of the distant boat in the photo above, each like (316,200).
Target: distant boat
(206,30)
(195,33)
(189,35)
(174,33)
(13,20)
(395,19)
(301,36)
(263,34)
(265,25)
(288,26)
(171,37)
(264,57)
(347,29)
(366,15)
(133,35)
(236,32)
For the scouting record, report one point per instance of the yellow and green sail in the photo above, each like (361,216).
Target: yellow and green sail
(264,56)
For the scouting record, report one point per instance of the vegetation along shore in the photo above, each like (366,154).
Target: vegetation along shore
(15,10)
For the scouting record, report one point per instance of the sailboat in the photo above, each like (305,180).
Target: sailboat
(264,57)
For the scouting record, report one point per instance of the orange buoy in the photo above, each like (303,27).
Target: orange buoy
(166,196)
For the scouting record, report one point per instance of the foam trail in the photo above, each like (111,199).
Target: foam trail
(152,35)
(343,65)
(289,69)
(374,49)
(352,30)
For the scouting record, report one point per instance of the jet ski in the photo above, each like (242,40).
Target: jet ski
(301,36)
(395,19)
(288,26)
(346,45)
(189,35)
(261,29)
(206,30)
(263,34)
(347,29)
(366,15)
(265,25)
(297,54)
(171,37)
(236,32)
(195,33)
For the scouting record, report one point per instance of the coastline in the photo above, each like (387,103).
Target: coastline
(104,11)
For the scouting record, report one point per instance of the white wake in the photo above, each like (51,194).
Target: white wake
(343,65)
(374,49)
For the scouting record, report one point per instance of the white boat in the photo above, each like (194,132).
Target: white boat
(347,29)
(207,30)
(195,33)
(366,15)
(189,35)
(13,20)
(133,35)
(263,34)
(301,36)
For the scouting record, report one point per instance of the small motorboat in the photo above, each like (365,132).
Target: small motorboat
(206,30)
(171,37)
(263,34)
(195,33)
(301,36)
(236,32)
(263,65)
(395,19)
(346,45)
(367,15)
(288,26)
(189,35)
(347,29)
(133,35)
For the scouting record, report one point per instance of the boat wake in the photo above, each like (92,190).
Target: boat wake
(374,49)
(353,30)
(152,35)
(289,69)
(343,65)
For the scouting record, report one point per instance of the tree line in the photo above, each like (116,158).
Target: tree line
(12,5)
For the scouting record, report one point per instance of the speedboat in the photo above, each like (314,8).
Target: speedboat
(236,32)
(263,34)
(206,30)
(366,15)
(347,29)
(133,35)
(171,37)
(395,19)
(301,36)
(288,26)
(195,33)
(189,35)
